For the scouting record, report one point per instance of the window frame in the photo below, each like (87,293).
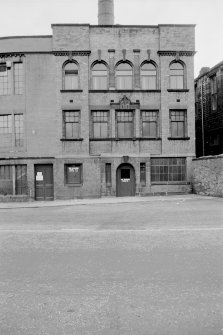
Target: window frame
(214,93)
(152,121)
(93,75)
(148,75)
(172,169)
(124,122)
(123,76)
(6,85)
(100,122)
(18,78)
(67,63)
(74,122)
(80,178)
(183,76)
(184,122)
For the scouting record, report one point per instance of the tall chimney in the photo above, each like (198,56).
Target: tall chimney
(105,12)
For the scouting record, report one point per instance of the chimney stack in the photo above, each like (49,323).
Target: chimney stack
(105,12)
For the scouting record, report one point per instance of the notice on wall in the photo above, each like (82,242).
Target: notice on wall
(125,180)
(39,176)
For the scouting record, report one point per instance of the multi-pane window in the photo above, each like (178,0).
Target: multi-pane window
(18,78)
(5,124)
(71,76)
(124,76)
(6,182)
(73,174)
(176,76)
(5,79)
(143,174)
(100,124)
(13,182)
(19,132)
(178,124)
(125,124)
(99,77)
(71,124)
(213,93)
(168,169)
(149,123)
(21,179)
(148,76)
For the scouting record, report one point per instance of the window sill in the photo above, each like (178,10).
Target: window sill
(178,90)
(71,139)
(70,91)
(126,139)
(178,138)
(120,91)
(170,183)
(73,185)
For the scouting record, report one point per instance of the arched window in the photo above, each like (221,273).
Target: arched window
(176,76)
(99,75)
(148,76)
(70,72)
(123,76)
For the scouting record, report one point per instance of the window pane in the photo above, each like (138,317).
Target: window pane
(6,183)
(21,179)
(71,81)
(71,124)
(99,82)
(143,173)
(18,78)
(73,173)
(108,173)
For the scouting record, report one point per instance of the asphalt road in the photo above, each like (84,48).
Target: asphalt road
(152,268)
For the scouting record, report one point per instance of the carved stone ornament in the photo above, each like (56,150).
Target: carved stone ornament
(125,102)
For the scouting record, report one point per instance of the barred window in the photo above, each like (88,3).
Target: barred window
(148,76)
(149,123)
(71,76)
(100,124)
(168,169)
(124,121)
(18,78)
(5,79)
(73,173)
(176,76)
(19,131)
(124,76)
(178,123)
(71,124)
(99,77)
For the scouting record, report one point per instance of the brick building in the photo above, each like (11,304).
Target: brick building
(97,110)
(209,111)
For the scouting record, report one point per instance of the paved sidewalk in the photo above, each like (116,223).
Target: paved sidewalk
(104,200)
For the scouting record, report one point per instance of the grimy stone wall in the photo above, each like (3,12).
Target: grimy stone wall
(208,175)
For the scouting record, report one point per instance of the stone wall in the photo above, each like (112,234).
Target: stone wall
(208,175)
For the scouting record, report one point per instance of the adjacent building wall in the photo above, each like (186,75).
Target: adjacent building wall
(208,176)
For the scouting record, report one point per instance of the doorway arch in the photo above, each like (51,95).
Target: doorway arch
(125,181)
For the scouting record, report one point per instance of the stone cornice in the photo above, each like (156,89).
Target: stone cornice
(55,53)
(175,53)
(72,53)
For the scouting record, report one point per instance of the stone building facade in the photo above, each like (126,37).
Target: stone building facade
(209,111)
(93,111)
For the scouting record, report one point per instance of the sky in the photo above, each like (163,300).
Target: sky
(34,17)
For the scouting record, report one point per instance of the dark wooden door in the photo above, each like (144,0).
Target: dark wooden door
(44,182)
(125,181)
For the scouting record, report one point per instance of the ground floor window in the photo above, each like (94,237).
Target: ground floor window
(143,174)
(13,179)
(168,169)
(108,174)
(73,174)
